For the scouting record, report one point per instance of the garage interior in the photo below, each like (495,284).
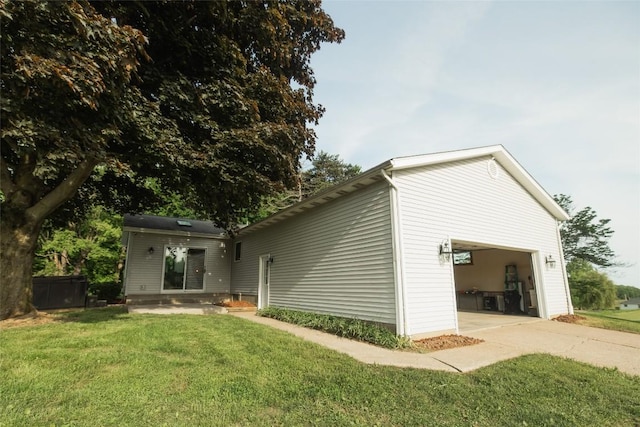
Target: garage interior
(494,281)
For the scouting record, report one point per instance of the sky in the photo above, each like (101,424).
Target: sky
(556,83)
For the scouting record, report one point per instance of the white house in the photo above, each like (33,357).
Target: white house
(407,244)
(630,304)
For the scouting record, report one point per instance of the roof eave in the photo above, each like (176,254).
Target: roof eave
(365,179)
(371,175)
(173,232)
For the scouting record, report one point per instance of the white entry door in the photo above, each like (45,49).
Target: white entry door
(264,278)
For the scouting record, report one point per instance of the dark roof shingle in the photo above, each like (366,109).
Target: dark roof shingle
(172,224)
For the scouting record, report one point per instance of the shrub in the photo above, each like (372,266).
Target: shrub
(341,326)
(109,291)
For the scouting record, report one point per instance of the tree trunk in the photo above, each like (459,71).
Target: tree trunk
(18,241)
(60,261)
(57,261)
(23,211)
(79,264)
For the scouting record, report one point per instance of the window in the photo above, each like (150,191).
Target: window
(238,251)
(462,258)
(184,269)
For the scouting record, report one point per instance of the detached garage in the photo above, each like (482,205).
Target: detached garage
(412,241)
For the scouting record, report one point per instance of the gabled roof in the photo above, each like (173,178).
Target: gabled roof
(631,301)
(373,175)
(502,156)
(177,226)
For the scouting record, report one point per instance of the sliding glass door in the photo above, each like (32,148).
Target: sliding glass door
(183,269)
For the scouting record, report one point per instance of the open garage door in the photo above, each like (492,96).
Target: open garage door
(494,280)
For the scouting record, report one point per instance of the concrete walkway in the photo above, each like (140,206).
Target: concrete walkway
(595,346)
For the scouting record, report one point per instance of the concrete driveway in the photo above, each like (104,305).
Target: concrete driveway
(598,347)
(480,320)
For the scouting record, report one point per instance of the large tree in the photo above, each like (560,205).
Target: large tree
(585,243)
(209,99)
(584,236)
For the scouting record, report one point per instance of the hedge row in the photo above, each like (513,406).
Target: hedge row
(341,326)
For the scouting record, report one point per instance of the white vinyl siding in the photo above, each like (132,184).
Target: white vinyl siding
(144,270)
(461,201)
(335,258)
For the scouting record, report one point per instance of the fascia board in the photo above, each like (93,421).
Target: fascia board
(444,157)
(173,233)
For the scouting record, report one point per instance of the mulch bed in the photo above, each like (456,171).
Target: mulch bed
(444,342)
(237,304)
(569,318)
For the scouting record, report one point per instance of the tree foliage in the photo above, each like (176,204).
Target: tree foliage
(233,79)
(66,75)
(326,170)
(590,289)
(627,292)
(210,99)
(91,247)
(584,236)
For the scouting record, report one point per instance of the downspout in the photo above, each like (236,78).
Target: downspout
(396,236)
(564,269)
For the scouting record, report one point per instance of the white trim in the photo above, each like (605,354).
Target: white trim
(262,261)
(563,266)
(453,288)
(184,273)
(126,263)
(398,260)
(537,269)
(173,233)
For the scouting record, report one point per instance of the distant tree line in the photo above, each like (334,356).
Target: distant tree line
(624,292)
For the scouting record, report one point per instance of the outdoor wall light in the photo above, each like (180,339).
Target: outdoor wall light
(270,260)
(445,250)
(550,261)
(150,250)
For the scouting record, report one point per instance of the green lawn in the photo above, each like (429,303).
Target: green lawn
(633,315)
(108,368)
(619,320)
